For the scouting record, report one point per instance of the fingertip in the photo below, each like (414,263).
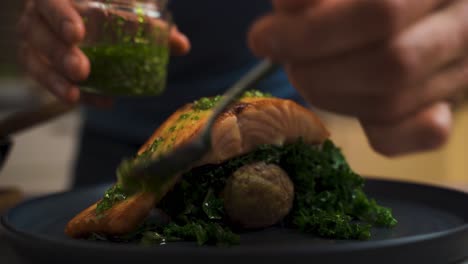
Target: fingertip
(62,88)
(73,31)
(380,142)
(85,64)
(179,43)
(72,95)
(443,115)
(259,38)
(80,30)
(186,43)
(438,128)
(76,65)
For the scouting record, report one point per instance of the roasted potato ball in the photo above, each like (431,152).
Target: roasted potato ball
(258,195)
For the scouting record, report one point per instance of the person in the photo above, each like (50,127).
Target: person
(393,64)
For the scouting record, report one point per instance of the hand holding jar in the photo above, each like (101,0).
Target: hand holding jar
(75,46)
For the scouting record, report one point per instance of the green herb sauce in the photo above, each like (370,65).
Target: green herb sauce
(207,103)
(126,62)
(256,94)
(152,148)
(127,69)
(184,116)
(112,196)
(329,199)
(117,193)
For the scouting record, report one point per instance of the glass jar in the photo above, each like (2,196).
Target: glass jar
(127,43)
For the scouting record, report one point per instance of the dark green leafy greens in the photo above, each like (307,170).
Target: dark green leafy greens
(158,234)
(329,195)
(329,198)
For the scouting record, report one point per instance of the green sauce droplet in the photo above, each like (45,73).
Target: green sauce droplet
(184,116)
(112,196)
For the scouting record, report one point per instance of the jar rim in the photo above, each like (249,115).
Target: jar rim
(148,8)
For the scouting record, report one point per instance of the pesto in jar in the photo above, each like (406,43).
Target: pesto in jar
(127,69)
(127,50)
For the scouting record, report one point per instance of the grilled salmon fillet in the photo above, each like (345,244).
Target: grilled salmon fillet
(248,123)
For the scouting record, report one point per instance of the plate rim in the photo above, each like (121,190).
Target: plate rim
(18,235)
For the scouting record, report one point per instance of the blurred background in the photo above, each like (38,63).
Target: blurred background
(41,159)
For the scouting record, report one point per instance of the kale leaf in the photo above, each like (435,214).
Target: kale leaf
(329,198)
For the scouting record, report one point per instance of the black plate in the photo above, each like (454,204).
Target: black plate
(432,229)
